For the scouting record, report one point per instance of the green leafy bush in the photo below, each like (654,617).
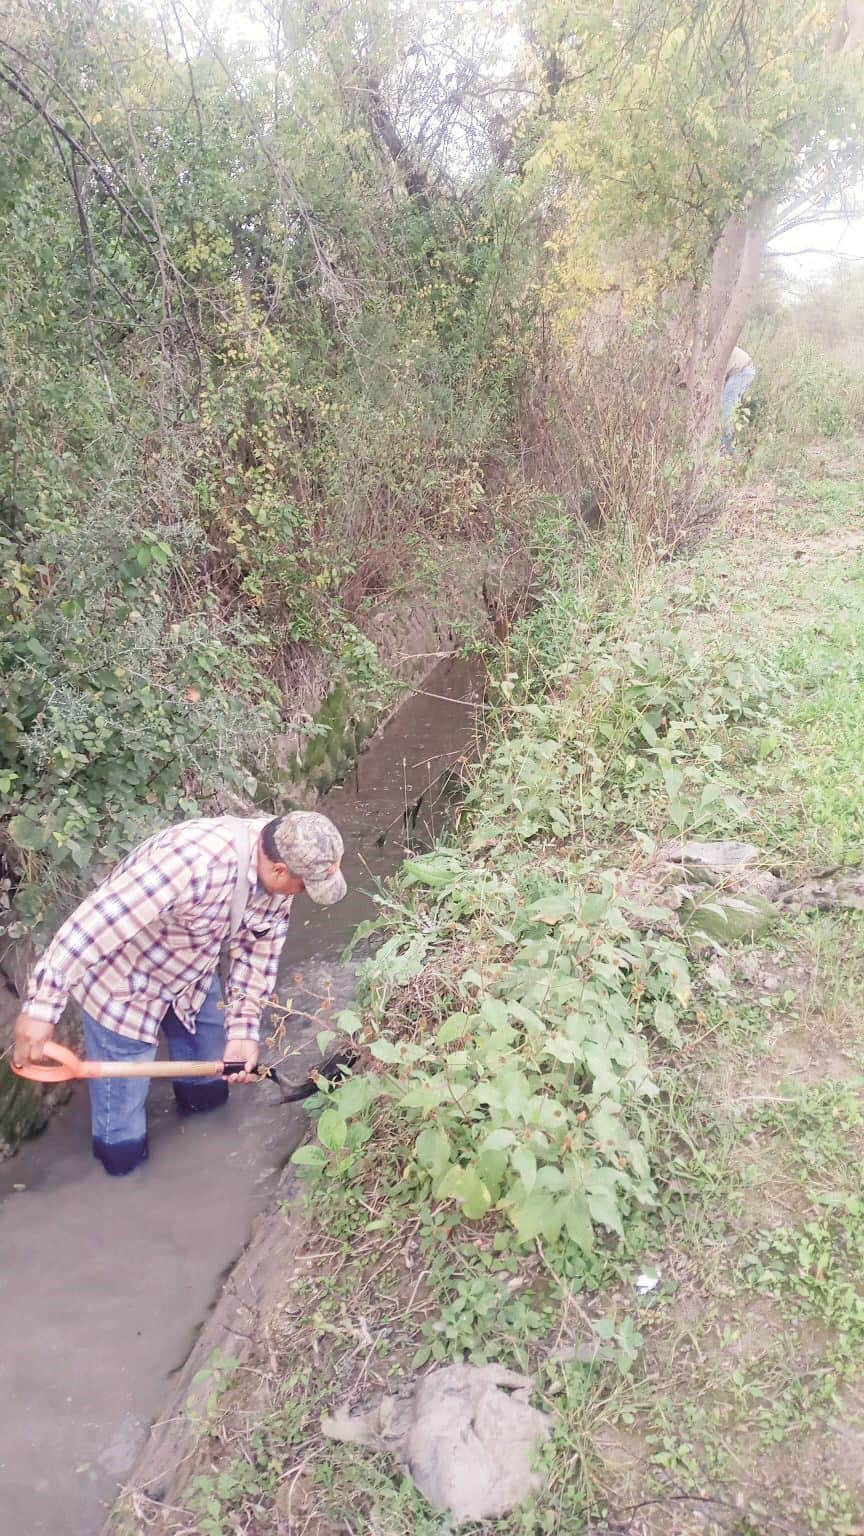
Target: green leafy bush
(522,1103)
(239,403)
(510,1009)
(626,715)
(114,713)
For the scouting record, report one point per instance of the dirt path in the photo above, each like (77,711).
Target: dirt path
(106,1283)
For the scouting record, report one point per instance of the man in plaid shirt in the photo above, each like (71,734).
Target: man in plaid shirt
(143,951)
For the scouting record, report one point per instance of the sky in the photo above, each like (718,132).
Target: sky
(811,252)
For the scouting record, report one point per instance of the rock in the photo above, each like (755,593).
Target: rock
(466,1434)
(823,893)
(717,976)
(760,882)
(24,1110)
(720,857)
(749,966)
(724,918)
(586,1353)
(768,974)
(710,889)
(651,902)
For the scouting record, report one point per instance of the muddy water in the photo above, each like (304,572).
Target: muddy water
(104,1283)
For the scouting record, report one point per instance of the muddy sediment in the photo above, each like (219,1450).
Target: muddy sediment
(107,1283)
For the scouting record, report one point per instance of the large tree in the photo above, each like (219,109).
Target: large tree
(674,132)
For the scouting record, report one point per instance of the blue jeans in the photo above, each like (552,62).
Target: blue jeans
(736,385)
(117,1105)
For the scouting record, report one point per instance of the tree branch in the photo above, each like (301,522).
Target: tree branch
(10,77)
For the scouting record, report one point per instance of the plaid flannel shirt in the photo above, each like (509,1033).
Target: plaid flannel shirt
(150,937)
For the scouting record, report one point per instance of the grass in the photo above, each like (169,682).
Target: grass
(728,1398)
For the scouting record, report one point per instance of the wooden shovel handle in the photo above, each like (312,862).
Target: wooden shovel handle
(161,1068)
(63,1066)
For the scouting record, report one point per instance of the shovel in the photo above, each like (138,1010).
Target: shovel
(68,1068)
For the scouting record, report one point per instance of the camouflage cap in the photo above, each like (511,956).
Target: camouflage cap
(312,848)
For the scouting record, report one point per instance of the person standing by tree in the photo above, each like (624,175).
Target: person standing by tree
(145,950)
(740,373)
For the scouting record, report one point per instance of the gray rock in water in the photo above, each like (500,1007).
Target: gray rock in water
(467,1434)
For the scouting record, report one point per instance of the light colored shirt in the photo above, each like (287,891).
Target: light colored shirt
(739,359)
(150,936)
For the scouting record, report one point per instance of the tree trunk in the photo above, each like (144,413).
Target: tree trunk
(848,30)
(722,309)
(725,303)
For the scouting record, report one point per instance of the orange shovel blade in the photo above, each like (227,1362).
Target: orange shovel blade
(69,1066)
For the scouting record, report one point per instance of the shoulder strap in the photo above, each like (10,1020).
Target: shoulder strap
(241,833)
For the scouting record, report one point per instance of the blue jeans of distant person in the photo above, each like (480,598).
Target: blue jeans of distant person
(117,1104)
(735,387)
